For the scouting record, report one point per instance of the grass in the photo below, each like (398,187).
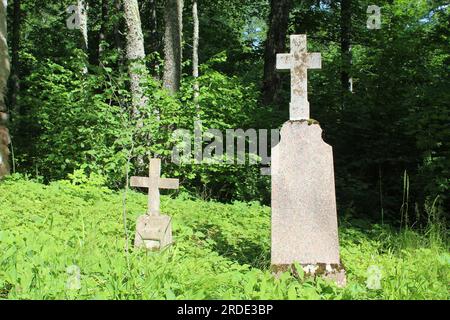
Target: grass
(66,241)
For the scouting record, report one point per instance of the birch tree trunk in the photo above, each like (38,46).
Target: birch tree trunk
(135,55)
(195,72)
(82,14)
(4,74)
(173,16)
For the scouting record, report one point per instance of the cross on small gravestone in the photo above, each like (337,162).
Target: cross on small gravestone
(153,230)
(298,62)
(154,183)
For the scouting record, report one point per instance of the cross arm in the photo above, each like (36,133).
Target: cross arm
(144,182)
(284,61)
(314,61)
(169,184)
(140,182)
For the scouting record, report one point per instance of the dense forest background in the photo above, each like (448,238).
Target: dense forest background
(103,98)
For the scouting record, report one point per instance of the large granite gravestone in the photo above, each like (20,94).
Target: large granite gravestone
(304,217)
(304,222)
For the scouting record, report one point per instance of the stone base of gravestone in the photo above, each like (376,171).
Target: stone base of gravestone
(304,216)
(333,272)
(153,232)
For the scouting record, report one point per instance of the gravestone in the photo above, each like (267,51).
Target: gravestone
(304,216)
(153,230)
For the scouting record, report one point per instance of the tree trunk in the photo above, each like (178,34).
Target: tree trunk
(275,43)
(82,14)
(135,55)
(346,49)
(173,16)
(103,27)
(118,42)
(98,37)
(154,37)
(196,38)
(15,66)
(4,74)
(153,42)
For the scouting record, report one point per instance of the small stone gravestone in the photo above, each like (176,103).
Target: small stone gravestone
(304,217)
(153,230)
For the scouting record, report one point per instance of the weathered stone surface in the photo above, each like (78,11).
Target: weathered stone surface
(154,183)
(153,232)
(304,217)
(333,272)
(298,62)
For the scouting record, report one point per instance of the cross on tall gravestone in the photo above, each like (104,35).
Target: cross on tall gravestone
(153,230)
(304,216)
(298,62)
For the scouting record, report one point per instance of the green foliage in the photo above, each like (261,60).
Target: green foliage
(224,103)
(50,233)
(73,125)
(396,120)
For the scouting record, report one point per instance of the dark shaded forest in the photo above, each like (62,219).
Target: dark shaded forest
(105,95)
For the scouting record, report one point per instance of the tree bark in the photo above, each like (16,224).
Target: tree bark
(103,27)
(173,16)
(4,74)
(196,38)
(15,64)
(135,55)
(98,37)
(275,43)
(82,14)
(155,41)
(346,49)
(4,58)
(118,42)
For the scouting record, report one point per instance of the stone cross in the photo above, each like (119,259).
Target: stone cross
(154,182)
(298,62)
(304,216)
